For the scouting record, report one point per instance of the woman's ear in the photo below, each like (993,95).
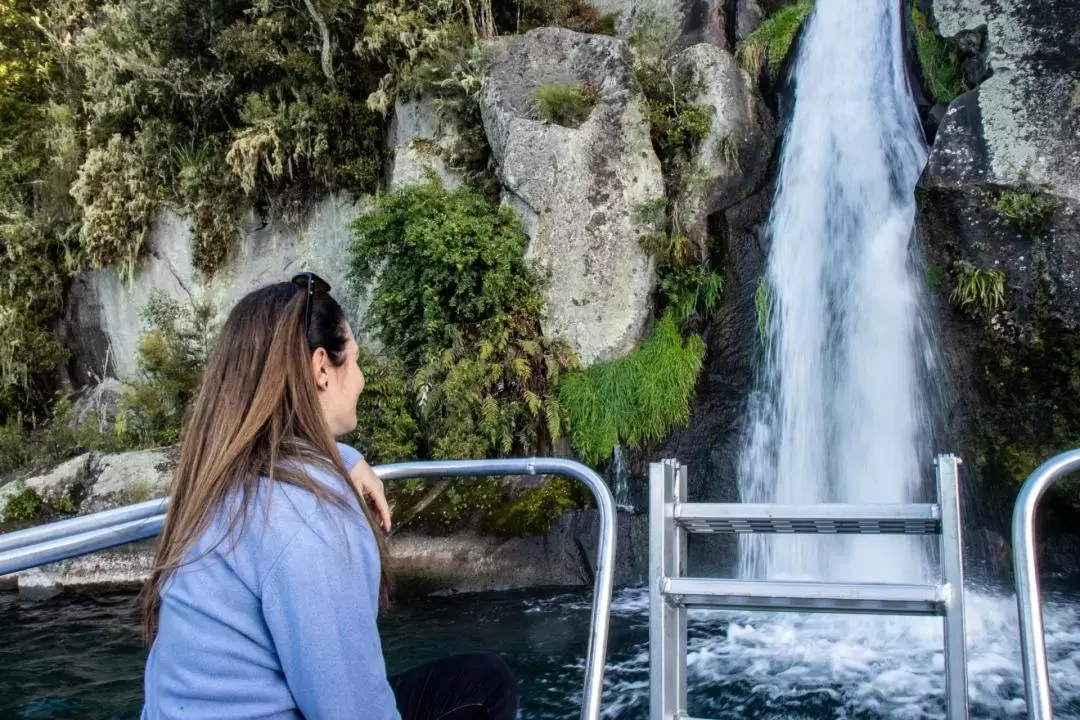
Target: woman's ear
(320,370)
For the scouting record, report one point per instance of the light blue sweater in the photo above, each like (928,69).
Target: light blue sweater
(280,626)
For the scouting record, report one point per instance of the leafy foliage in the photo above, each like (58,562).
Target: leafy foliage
(567,105)
(939,64)
(117,197)
(574,15)
(978,290)
(456,302)
(768,46)
(172,354)
(24,504)
(1031,211)
(634,399)
(441,259)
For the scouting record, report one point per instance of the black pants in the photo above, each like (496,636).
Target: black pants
(475,686)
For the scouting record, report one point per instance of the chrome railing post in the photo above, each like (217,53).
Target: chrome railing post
(1026,567)
(952,570)
(605,554)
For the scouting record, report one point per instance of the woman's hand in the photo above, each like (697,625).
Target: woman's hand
(370,486)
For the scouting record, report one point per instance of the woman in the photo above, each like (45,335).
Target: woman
(271,569)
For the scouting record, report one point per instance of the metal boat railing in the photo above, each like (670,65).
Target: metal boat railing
(1026,567)
(64,539)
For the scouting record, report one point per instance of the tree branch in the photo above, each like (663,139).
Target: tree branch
(324,32)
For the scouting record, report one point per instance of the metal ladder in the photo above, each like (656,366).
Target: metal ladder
(671,593)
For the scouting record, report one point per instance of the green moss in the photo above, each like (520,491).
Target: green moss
(770,43)
(567,105)
(761,307)
(1028,210)
(978,290)
(935,275)
(1028,415)
(460,502)
(24,505)
(940,67)
(537,510)
(634,399)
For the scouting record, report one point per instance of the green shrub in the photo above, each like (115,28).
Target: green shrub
(15,451)
(440,259)
(690,291)
(172,355)
(634,399)
(939,64)
(567,105)
(1030,211)
(458,306)
(211,197)
(608,24)
(978,290)
(770,43)
(575,15)
(387,427)
(24,505)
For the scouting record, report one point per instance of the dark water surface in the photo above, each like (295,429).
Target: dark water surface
(81,656)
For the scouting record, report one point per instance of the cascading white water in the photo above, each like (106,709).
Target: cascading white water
(841,415)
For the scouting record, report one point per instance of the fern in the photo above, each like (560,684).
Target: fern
(635,399)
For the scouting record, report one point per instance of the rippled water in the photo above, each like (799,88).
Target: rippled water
(80,657)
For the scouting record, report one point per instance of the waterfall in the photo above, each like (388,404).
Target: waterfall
(841,414)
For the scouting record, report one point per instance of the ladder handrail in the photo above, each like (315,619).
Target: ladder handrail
(1026,567)
(64,539)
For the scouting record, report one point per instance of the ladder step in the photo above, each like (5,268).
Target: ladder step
(803,596)
(833,518)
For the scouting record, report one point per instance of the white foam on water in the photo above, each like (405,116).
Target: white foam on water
(744,665)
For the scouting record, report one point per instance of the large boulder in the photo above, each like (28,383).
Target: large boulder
(420,139)
(579,189)
(1023,117)
(102,324)
(734,156)
(999,202)
(94,481)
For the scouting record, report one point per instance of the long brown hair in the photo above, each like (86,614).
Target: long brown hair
(256,414)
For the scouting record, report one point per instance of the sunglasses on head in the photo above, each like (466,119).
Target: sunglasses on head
(310,283)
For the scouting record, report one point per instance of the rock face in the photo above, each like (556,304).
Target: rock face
(1024,108)
(1001,194)
(710,443)
(100,403)
(102,325)
(579,189)
(419,139)
(734,157)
